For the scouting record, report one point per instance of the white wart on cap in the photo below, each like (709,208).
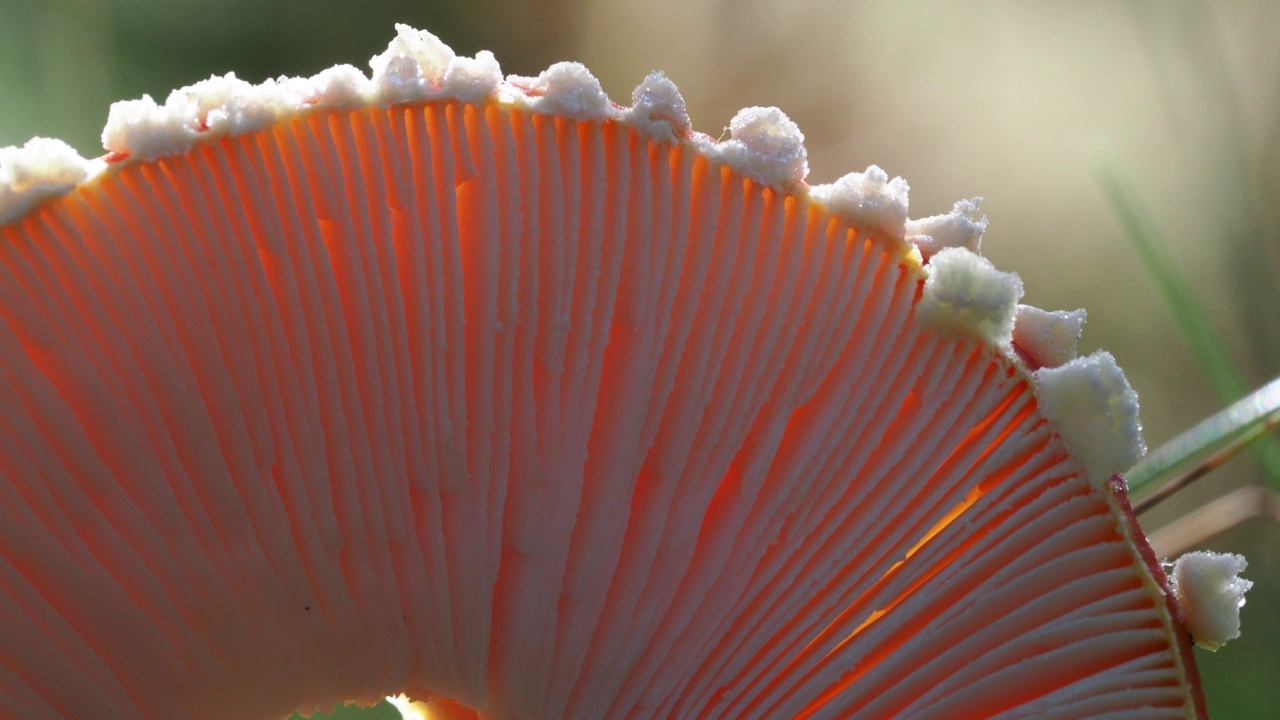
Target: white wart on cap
(1210,593)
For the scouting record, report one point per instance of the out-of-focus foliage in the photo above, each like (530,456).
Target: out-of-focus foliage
(382,711)
(62,62)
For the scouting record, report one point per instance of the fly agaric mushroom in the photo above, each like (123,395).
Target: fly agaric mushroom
(495,393)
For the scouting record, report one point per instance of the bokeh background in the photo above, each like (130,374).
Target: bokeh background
(1023,102)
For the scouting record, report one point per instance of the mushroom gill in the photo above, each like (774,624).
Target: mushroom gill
(493,392)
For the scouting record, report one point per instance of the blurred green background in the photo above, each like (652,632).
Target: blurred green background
(1017,101)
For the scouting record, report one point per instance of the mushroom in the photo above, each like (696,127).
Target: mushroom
(495,393)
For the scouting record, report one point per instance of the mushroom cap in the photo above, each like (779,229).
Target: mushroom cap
(498,394)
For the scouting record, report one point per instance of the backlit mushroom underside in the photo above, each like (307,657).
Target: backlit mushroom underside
(552,416)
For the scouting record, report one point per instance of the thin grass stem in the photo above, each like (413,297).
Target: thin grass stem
(1197,331)
(1207,445)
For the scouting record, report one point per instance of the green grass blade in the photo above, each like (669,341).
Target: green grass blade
(1178,295)
(1191,321)
(1240,424)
